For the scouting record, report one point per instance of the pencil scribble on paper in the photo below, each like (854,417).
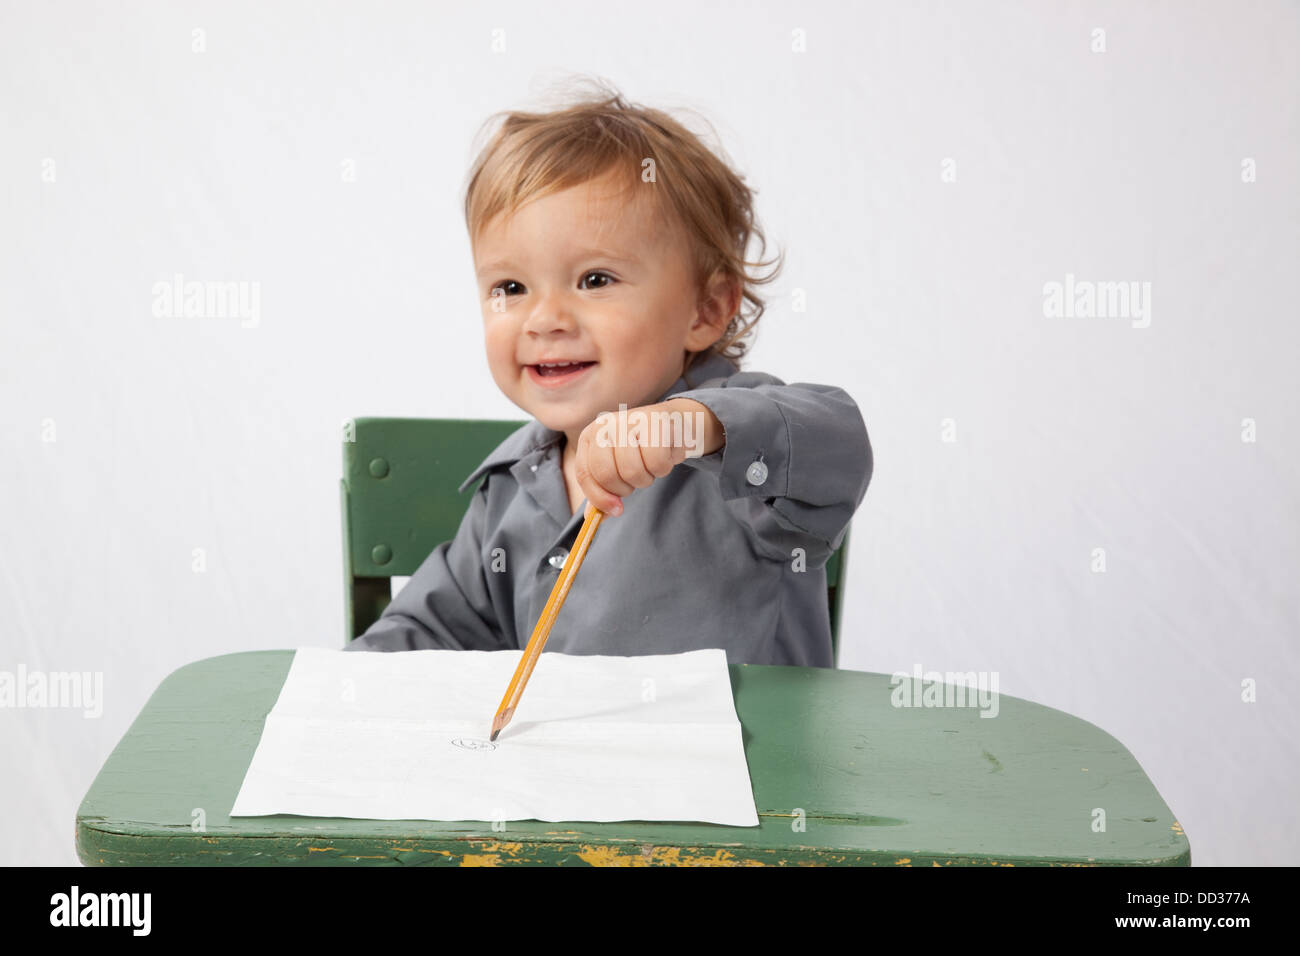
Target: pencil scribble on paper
(473,743)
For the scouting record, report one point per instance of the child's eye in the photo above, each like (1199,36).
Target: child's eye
(604,275)
(503,282)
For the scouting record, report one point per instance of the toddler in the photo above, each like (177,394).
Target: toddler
(609,246)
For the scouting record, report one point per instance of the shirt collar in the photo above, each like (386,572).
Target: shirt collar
(534,436)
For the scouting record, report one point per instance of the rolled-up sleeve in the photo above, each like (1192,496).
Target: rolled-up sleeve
(795,463)
(446,604)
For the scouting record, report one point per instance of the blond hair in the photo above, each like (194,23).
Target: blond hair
(533,154)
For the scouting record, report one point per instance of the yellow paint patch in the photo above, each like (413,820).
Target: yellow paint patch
(510,849)
(657,856)
(493,852)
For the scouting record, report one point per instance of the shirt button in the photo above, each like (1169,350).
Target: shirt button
(533,467)
(556,560)
(756,473)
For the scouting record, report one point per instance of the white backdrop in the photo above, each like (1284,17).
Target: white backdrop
(928,168)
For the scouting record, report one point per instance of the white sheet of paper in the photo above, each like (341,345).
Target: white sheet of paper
(404,736)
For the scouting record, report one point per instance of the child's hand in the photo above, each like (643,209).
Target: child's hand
(622,451)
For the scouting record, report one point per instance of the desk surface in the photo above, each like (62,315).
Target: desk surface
(840,776)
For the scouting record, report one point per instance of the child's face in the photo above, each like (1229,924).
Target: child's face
(584,276)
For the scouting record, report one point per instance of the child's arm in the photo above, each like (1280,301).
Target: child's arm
(446,604)
(816,461)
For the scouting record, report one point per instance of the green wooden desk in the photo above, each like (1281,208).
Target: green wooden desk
(877,784)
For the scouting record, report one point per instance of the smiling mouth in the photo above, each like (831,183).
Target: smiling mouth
(556,373)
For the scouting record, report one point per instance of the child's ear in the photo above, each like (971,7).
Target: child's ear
(719,302)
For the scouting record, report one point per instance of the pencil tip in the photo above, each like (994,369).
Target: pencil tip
(494,735)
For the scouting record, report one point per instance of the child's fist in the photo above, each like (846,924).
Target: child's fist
(628,449)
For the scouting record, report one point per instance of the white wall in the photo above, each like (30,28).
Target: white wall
(925,300)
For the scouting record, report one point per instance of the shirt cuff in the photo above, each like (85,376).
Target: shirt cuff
(754,460)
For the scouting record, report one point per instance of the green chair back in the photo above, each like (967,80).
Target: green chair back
(399,502)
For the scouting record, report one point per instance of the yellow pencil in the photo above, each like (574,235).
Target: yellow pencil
(543,629)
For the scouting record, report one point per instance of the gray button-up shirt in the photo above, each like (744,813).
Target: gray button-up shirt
(726,550)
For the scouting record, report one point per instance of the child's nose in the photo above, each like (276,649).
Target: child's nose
(549,314)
